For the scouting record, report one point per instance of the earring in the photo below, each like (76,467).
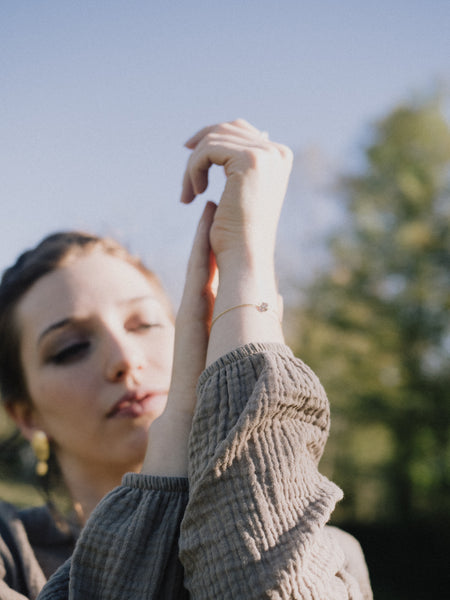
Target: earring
(41,448)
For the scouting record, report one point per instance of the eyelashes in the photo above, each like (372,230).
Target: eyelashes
(70,353)
(146,326)
(78,350)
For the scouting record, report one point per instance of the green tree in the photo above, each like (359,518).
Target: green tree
(375,325)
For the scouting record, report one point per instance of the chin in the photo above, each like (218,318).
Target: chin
(134,449)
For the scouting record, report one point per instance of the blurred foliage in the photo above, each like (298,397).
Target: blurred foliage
(374,324)
(19,493)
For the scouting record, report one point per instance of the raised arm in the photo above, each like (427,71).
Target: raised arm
(167,452)
(240,237)
(255,523)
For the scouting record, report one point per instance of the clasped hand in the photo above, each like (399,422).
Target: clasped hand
(257,172)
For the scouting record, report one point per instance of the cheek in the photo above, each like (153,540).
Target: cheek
(62,393)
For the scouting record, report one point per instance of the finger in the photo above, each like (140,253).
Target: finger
(231,139)
(194,140)
(195,179)
(187,190)
(239,125)
(243,124)
(199,260)
(213,282)
(219,151)
(285,151)
(211,150)
(201,242)
(211,287)
(199,292)
(191,187)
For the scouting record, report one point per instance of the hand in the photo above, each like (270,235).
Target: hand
(167,450)
(194,318)
(257,172)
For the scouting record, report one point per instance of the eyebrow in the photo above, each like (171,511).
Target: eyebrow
(138,299)
(53,326)
(69,320)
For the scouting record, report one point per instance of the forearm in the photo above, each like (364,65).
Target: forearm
(245,282)
(167,451)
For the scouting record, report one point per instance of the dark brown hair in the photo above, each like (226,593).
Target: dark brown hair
(33,264)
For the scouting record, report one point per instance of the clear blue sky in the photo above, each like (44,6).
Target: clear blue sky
(97,98)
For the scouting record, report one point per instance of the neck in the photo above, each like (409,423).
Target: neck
(87,486)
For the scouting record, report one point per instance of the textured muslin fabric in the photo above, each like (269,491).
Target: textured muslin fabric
(255,523)
(251,522)
(129,546)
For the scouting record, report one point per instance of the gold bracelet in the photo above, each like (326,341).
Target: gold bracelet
(261,307)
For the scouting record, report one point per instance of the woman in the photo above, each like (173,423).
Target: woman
(228,502)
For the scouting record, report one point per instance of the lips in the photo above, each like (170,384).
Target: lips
(135,404)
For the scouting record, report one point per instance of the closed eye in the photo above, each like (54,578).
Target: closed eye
(146,326)
(141,323)
(70,353)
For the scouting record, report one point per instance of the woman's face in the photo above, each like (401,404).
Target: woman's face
(96,349)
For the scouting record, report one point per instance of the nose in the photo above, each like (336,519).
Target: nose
(124,360)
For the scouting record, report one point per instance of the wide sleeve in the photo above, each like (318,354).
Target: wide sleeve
(129,546)
(12,577)
(21,577)
(255,523)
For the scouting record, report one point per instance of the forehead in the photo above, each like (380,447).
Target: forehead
(84,285)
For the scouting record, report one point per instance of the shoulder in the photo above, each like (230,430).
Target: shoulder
(355,562)
(19,569)
(14,548)
(9,515)
(346,541)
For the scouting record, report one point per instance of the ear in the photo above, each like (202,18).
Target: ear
(24,416)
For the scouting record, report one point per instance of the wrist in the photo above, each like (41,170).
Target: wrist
(167,449)
(244,281)
(261,307)
(246,309)
(246,258)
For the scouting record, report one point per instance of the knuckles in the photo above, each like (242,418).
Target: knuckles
(237,145)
